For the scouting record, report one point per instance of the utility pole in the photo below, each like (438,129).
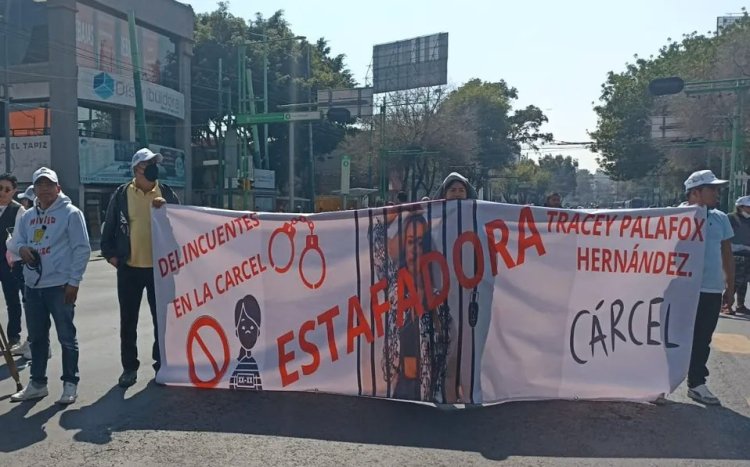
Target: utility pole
(266,158)
(220,143)
(140,113)
(310,132)
(291,166)
(6,89)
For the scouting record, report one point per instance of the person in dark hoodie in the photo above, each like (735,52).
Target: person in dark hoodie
(740,221)
(52,241)
(456,186)
(126,244)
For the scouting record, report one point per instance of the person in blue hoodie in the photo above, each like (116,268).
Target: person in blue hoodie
(52,241)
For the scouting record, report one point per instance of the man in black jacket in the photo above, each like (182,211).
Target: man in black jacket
(126,244)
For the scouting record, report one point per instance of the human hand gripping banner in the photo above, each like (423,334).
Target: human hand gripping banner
(443,302)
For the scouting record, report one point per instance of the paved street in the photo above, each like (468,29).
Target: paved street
(150,424)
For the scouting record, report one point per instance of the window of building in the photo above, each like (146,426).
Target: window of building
(28,32)
(29,119)
(98,123)
(161,130)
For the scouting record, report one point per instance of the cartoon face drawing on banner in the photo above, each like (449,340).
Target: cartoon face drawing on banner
(247,320)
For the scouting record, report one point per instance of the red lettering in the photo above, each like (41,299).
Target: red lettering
(532,240)
(309,347)
(284,358)
(362,327)
(378,308)
(500,247)
(327,318)
(473,239)
(407,296)
(163,267)
(433,300)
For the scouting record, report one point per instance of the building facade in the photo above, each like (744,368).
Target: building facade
(71,101)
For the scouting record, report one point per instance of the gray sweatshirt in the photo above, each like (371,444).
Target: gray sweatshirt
(59,235)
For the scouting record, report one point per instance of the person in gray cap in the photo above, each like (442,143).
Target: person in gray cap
(702,189)
(740,220)
(27,197)
(126,244)
(53,243)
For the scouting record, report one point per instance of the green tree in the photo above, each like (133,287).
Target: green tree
(218,34)
(501,131)
(623,136)
(562,172)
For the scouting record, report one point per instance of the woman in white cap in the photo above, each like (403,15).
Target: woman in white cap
(740,220)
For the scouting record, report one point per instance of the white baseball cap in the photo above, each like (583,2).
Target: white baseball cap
(28,194)
(743,201)
(44,172)
(701,178)
(144,155)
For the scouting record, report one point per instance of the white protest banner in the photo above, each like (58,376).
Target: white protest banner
(445,302)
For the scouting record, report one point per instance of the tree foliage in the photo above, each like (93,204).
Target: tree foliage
(218,35)
(625,137)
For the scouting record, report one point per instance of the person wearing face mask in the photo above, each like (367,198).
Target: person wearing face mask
(126,244)
(740,220)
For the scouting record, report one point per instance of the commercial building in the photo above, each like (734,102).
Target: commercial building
(72,95)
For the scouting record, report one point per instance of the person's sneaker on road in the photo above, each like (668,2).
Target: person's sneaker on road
(27,353)
(30,392)
(703,395)
(21,349)
(127,379)
(70,393)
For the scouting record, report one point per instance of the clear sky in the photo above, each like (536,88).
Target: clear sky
(556,53)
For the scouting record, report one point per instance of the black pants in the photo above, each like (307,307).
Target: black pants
(130,284)
(12,283)
(709,306)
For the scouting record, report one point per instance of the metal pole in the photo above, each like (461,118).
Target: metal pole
(266,158)
(6,90)
(740,164)
(310,133)
(220,143)
(140,113)
(291,167)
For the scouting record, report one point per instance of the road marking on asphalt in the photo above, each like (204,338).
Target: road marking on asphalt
(731,343)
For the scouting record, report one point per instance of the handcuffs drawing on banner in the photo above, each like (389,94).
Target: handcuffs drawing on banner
(311,244)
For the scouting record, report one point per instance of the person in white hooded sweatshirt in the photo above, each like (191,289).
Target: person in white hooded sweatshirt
(52,241)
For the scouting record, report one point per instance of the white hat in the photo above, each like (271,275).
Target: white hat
(144,155)
(743,201)
(44,172)
(701,178)
(28,194)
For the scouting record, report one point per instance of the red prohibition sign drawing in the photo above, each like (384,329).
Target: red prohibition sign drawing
(193,338)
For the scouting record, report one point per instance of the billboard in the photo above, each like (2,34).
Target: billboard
(107,161)
(101,86)
(357,101)
(27,153)
(411,63)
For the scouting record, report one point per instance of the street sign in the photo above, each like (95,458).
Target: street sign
(345,174)
(277,117)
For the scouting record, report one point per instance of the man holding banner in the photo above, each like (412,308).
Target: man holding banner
(702,189)
(126,243)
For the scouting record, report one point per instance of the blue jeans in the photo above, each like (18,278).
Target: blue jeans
(40,305)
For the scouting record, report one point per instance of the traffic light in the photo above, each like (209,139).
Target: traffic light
(339,115)
(666,86)
(245,184)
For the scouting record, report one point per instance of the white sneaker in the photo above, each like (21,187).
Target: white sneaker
(21,349)
(703,395)
(70,393)
(30,392)
(27,353)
